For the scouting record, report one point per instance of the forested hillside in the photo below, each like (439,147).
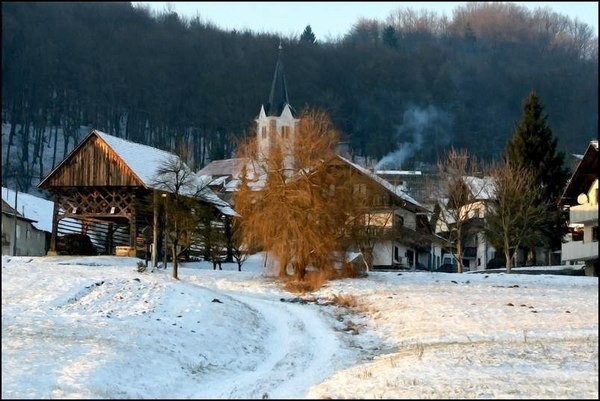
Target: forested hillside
(409,86)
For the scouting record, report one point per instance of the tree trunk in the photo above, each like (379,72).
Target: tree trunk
(507,256)
(174,253)
(459,256)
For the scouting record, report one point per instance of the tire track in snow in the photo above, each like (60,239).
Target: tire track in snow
(303,348)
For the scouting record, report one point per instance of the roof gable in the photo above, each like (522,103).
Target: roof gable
(584,175)
(94,161)
(385,184)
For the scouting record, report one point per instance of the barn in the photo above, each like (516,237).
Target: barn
(110,186)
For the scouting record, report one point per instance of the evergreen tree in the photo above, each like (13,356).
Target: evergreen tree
(534,147)
(390,38)
(308,36)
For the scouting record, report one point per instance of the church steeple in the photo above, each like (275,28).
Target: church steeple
(276,122)
(278,98)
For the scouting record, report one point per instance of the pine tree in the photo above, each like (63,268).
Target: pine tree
(308,36)
(534,147)
(389,37)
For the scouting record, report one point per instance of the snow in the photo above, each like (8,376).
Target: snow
(94,327)
(31,207)
(481,188)
(143,160)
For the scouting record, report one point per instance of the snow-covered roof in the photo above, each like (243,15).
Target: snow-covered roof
(386,184)
(481,188)
(7,209)
(145,162)
(31,207)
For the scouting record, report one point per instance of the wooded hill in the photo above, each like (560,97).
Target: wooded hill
(415,83)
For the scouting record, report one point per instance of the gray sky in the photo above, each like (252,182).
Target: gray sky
(332,19)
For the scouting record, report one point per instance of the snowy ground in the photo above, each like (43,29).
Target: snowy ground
(93,327)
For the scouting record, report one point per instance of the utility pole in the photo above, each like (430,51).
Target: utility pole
(165,230)
(14,250)
(155,230)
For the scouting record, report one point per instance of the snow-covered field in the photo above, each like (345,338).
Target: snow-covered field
(93,327)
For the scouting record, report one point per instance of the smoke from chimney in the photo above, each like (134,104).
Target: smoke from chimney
(416,122)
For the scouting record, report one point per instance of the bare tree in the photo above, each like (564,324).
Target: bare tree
(514,209)
(181,191)
(459,200)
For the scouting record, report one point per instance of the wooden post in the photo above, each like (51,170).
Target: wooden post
(155,229)
(133,226)
(52,250)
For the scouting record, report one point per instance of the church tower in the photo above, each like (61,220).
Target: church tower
(276,122)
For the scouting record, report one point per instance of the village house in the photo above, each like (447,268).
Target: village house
(478,252)
(20,236)
(581,199)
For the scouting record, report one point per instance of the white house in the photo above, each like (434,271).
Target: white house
(477,250)
(581,199)
(34,224)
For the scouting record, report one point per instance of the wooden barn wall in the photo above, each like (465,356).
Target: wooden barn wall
(94,164)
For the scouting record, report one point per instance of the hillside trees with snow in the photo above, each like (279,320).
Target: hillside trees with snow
(165,80)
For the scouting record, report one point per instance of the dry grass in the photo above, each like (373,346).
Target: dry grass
(345,300)
(314,280)
(298,287)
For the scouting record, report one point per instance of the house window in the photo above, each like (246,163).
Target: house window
(359,189)
(263,132)
(398,220)
(396,254)
(27,234)
(285,132)
(18,231)
(595,234)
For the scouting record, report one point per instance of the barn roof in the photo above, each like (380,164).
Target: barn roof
(145,163)
(143,160)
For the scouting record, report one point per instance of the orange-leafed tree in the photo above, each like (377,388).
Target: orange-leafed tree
(292,215)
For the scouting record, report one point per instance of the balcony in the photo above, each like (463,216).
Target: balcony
(579,250)
(583,213)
